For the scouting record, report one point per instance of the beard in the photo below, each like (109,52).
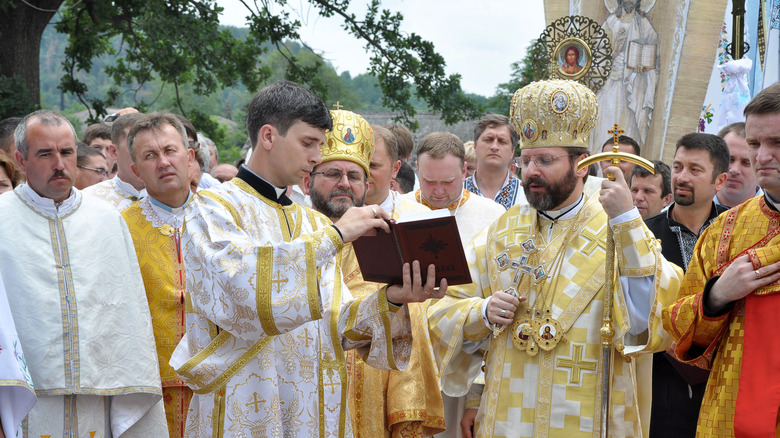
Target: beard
(555,194)
(687,199)
(334,209)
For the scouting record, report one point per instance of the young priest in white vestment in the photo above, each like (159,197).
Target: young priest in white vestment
(269,316)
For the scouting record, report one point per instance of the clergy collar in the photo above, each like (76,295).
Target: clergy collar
(566,212)
(263,187)
(127,189)
(771,202)
(170,209)
(47,206)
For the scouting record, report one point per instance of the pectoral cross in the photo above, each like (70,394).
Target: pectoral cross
(255,402)
(520,267)
(278,280)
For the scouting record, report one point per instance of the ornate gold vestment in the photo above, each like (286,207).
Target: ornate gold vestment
(158,248)
(715,343)
(393,403)
(553,390)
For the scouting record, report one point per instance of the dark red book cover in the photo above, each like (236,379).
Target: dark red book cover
(431,241)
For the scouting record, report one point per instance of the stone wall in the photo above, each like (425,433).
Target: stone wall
(429,122)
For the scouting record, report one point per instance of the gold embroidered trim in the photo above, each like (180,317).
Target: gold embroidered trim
(222,379)
(69,313)
(384,313)
(263,292)
(229,207)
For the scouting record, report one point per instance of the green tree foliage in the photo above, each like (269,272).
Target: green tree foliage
(180,44)
(522,75)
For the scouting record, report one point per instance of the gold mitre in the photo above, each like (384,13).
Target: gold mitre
(555,113)
(351,139)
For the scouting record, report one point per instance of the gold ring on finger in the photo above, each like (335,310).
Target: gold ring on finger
(758,275)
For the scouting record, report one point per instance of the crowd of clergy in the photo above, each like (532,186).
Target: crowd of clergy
(148,290)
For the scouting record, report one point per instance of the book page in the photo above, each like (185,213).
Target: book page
(641,56)
(648,56)
(432,214)
(634,52)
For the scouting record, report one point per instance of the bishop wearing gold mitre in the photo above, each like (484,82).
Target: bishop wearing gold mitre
(539,282)
(382,403)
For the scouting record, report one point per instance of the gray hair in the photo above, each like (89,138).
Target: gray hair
(203,149)
(47,118)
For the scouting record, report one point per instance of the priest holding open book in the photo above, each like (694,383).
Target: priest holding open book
(535,305)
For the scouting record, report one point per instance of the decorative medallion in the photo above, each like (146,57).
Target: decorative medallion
(559,101)
(529,130)
(546,331)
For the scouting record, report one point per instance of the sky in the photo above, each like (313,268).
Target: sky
(478,39)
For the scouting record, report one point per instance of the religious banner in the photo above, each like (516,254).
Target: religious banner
(729,86)
(661,52)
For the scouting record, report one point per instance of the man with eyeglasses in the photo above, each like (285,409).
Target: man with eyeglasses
(381,402)
(92,167)
(539,285)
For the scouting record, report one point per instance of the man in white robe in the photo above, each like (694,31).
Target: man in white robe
(125,187)
(17,395)
(77,298)
(269,316)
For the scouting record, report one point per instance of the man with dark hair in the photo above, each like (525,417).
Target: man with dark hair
(698,172)
(494,144)
(404,180)
(741,183)
(157,144)
(726,317)
(651,192)
(92,167)
(98,136)
(125,187)
(78,304)
(541,265)
(7,127)
(268,314)
(627,145)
